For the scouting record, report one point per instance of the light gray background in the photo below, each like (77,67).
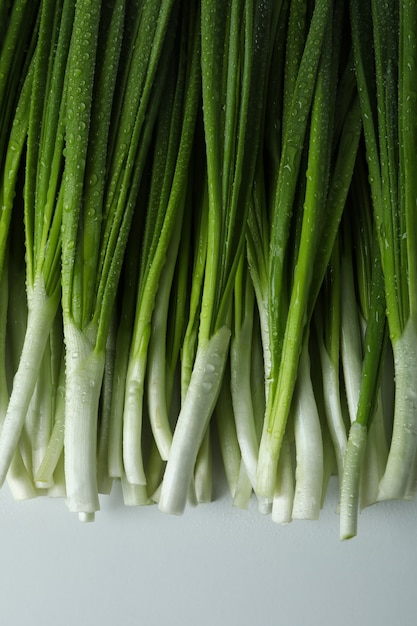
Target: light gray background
(213,566)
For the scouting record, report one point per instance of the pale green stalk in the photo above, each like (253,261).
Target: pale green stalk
(18,478)
(376,455)
(327,318)
(226,429)
(44,411)
(58,490)
(283,500)
(128,289)
(244,489)
(231,148)
(42,310)
(42,214)
(401,459)
(257,244)
(53,453)
(87,320)
(374,344)
(389,113)
(283,377)
(84,365)
(203,471)
(200,235)
(40,416)
(203,390)
(240,367)
(309,469)
(402,455)
(17,142)
(368,273)
(133,495)
(351,480)
(156,371)
(166,204)
(104,480)
(351,342)
(4,297)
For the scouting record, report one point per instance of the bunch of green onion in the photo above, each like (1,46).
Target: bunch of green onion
(208,248)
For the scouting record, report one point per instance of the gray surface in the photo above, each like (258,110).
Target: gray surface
(213,566)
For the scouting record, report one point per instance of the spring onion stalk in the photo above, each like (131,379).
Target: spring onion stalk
(158,400)
(240,365)
(43,417)
(175,319)
(279,399)
(257,244)
(54,450)
(170,174)
(327,318)
(40,415)
(201,398)
(42,218)
(180,300)
(376,454)
(285,191)
(87,319)
(345,149)
(231,169)
(41,182)
(154,471)
(84,367)
(200,236)
(368,272)
(227,437)
(203,471)
(351,334)
(308,444)
(128,288)
(133,495)
(19,478)
(283,501)
(307,427)
(106,219)
(244,490)
(4,297)
(257,380)
(366,450)
(388,110)
(17,142)
(104,480)
(91,251)
(347,133)
(356,449)
(403,446)
(257,235)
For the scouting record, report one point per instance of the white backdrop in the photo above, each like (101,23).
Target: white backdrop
(213,566)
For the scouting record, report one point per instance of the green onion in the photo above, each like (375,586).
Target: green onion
(208,211)
(231,146)
(389,133)
(173,146)
(42,216)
